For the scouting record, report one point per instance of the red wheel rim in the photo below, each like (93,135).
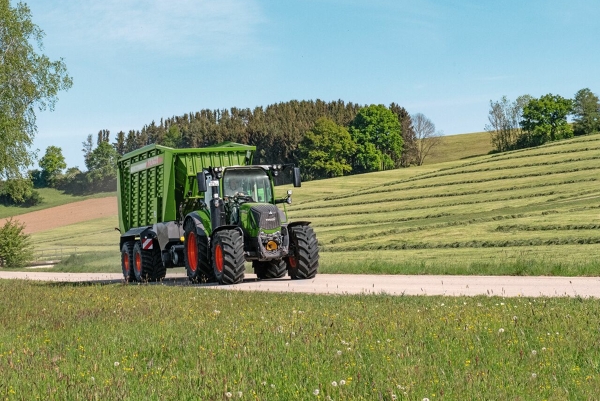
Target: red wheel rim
(126,261)
(292,261)
(219,258)
(192,251)
(138,262)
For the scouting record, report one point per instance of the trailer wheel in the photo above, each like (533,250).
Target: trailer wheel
(147,265)
(127,261)
(303,261)
(196,255)
(228,257)
(269,269)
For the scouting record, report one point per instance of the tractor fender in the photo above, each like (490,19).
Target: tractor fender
(132,234)
(298,223)
(228,227)
(195,217)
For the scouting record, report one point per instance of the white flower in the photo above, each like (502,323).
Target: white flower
(228,394)
(543,348)
(116,364)
(534,352)
(240,394)
(394,397)
(334,383)
(342,382)
(515,318)
(216,312)
(339,352)
(533,375)
(501,330)
(287,344)
(425,399)
(264,383)
(316,392)
(272,386)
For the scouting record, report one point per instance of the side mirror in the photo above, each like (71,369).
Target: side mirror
(201,178)
(297,180)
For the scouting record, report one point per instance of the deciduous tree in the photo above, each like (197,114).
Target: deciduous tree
(52,164)
(427,139)
(545,119)
(326,150)
(378,136)
(586,109)
(28,81)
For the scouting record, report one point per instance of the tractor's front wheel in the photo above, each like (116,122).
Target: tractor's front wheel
(228,257)
(269,269)
(196,255)
(303,261)
(127,261)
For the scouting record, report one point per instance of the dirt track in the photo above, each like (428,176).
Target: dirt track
(503,286)
(64,215)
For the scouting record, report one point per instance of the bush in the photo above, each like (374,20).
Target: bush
(19,192)
(16,249)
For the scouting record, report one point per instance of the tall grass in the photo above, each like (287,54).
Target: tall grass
(67,342)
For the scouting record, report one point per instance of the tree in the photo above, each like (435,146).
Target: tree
(102,167)
(586,109)
(172,137)
(52,164)
(326,150)
(545,119)
(427,137)
(28,80)
(19,191)
(408,135)
(378,127)
(505,122)
(16,249)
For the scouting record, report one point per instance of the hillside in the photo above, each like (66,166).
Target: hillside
(534,211)
(537,206)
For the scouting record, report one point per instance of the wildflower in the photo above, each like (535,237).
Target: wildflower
(334,383)
(543,348)
(287,344)
(394,397)
(316,392)
(342,382)
(339,352)
(533,375)
(515,318)
(264,383)
(228,394)
(116,364)
(425,399)
(501,330)
(216,312)
(534,352)
(272,386)
(240,394)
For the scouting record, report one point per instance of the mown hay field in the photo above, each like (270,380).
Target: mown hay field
(534,211)
(154,342)
(527,212)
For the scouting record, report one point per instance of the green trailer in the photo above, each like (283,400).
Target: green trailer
(210,210)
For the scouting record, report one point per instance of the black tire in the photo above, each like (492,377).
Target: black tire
(127,261)
(303,261)
(196,255)
(228,257)
(269,269)
(148,265)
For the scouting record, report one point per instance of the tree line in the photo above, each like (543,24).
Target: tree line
(529,121)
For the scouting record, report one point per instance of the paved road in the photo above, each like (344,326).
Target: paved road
(505,286)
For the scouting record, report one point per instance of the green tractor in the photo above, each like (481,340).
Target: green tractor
(245,223)
(226,214)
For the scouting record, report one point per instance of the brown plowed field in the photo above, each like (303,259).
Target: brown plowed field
(70,213)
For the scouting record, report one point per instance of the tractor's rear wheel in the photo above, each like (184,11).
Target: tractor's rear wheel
(147,265)
(127,261)
(303,261)
(228,257)
(196,255)
(269,269)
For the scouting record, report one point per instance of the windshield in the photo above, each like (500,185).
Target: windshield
(250,182)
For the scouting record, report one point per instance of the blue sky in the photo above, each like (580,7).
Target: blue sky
(134,61)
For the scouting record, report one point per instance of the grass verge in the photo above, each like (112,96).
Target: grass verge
(152,342)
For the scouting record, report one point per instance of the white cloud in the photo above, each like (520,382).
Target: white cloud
(217,28)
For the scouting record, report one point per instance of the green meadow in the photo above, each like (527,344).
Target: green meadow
(154,342)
